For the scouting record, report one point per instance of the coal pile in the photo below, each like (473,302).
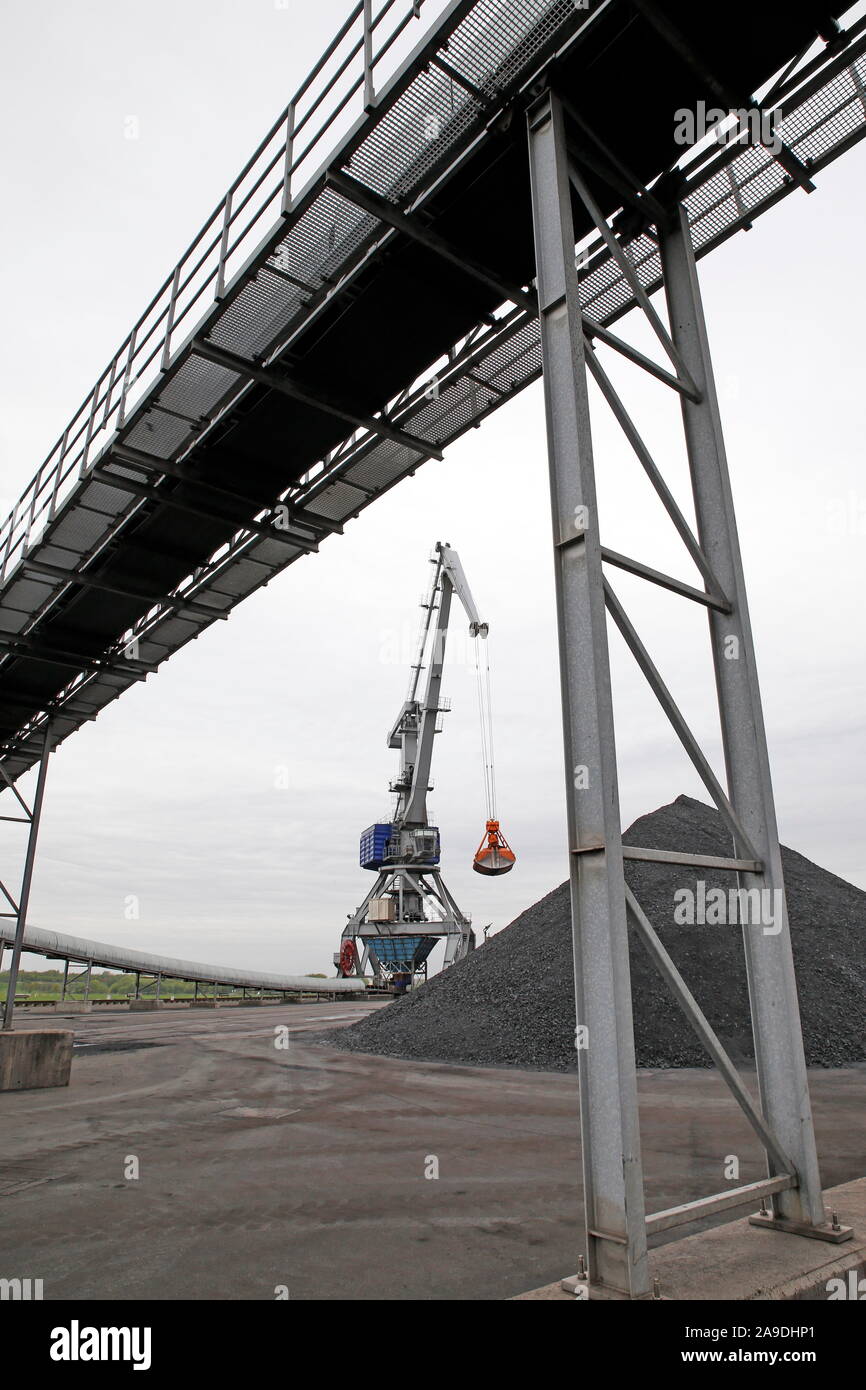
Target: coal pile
(510,1002)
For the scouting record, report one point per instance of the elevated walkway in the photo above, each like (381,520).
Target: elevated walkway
(361,298)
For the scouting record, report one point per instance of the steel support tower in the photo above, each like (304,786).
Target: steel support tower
(601,901)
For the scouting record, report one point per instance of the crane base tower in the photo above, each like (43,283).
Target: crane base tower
(395,935)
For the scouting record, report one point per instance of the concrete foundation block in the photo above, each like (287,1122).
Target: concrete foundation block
(35,1058)
(145,1006)
(206,1003)
(72,1006)
(738,1261)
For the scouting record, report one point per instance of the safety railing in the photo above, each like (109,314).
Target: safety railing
(364,53)
(342,85)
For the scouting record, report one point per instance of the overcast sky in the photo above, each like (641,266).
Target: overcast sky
(175,795)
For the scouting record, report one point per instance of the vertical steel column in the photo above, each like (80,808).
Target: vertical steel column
(290,155)
(29,861)
(124,390)
(613,1181)
(65,979)
(169,323)
(775,1010)
(369,89)
(224,247)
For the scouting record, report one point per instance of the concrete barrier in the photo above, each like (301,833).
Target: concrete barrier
(72,1006)
(32,1059)
(145,1006)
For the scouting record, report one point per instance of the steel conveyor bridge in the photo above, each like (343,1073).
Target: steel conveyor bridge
(360,298)
(462,193)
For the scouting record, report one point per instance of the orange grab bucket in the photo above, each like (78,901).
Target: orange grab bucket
(494,856)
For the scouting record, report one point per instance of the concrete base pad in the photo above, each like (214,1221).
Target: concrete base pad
(835,1234)
(205,1003)
(145,1006)
(73,1006)
(30,1060)
(576,1286)
(742,1262)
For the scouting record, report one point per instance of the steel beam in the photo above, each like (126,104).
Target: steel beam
(693,861)
(652,471)
(413,228)
(487,102)
(619,256)
(678,723)
(593,329)
(26,704)
(152,463)
(665,581)
(769,963)
(706,1035)
(150,493)
(88,581)
(31,650)
(613,1185)
(27,879)
(723,1201)
(680,45)
(317,399)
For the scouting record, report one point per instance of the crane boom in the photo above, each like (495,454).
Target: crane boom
(452,567)
(450,579)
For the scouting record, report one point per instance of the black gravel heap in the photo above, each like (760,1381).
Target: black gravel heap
(511,1002)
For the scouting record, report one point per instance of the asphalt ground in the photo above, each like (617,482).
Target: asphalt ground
(262,1167)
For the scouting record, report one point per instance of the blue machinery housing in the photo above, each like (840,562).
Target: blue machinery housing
(376,848)
(374,845)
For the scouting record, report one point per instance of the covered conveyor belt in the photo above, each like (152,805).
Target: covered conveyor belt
(55,944)
(362,296)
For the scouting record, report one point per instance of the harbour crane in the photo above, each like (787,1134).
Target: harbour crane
(409,908)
